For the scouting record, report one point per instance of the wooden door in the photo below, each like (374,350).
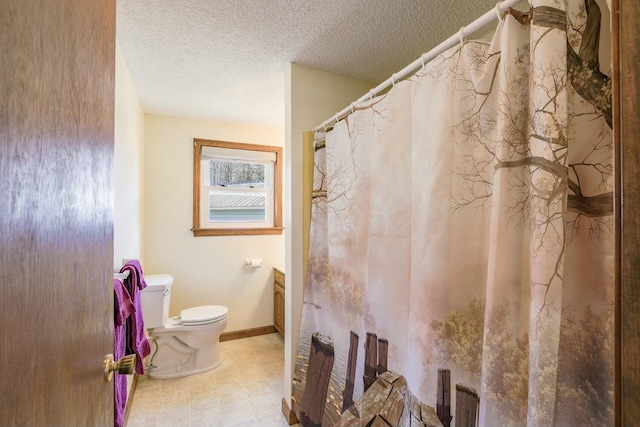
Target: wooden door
(626,129)
(56,233)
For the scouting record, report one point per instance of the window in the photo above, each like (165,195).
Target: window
(236,188)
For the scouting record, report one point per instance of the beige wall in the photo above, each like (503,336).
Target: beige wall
(206,270)
(128,146)
(155,189)
(311,97)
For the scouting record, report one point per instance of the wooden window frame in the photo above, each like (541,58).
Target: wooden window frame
(199,231)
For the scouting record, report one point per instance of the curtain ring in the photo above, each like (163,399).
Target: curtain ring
(371,95)
(353,106)
(500,18)
(422,60)
(393,80)
(461,35)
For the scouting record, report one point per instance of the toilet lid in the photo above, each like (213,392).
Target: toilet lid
(203,314)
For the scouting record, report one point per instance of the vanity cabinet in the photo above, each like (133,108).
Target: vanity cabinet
(278,300)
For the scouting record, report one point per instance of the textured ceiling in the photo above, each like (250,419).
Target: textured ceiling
(226,59)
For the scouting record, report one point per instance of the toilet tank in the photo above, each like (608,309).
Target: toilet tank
(155,299)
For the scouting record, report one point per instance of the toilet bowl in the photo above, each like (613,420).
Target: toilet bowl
(182,345)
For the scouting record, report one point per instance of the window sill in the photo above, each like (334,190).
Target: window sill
(200,232)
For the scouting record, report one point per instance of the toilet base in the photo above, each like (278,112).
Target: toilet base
(160,374)
(180,352)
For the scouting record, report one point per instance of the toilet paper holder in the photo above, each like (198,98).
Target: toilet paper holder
(253,263)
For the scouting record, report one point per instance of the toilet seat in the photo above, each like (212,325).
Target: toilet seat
(203,315)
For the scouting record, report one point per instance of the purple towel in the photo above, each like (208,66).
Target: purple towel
(137,341)
(122,310)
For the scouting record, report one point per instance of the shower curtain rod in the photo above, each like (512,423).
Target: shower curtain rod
(485,19)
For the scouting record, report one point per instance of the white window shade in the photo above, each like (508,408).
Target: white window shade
(228,154)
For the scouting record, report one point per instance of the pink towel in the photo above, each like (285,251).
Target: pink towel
(137,341)
(122,310)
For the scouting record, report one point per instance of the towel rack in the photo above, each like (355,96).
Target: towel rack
(121,276)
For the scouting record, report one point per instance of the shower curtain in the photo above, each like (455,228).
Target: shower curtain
(462,232)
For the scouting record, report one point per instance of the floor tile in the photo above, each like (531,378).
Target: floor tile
(245,390)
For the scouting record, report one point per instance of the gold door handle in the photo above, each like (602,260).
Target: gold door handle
(126,365)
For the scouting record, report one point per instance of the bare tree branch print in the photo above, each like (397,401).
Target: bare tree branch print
(332,190)
(558,194)
(484,155)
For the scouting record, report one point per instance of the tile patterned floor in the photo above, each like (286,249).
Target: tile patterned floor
(244,391)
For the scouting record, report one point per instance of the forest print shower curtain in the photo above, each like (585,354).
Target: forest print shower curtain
(461,254)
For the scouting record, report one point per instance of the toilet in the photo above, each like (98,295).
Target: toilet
(183,345)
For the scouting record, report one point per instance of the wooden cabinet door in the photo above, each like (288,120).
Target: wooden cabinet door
(278,301)
(278,308)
